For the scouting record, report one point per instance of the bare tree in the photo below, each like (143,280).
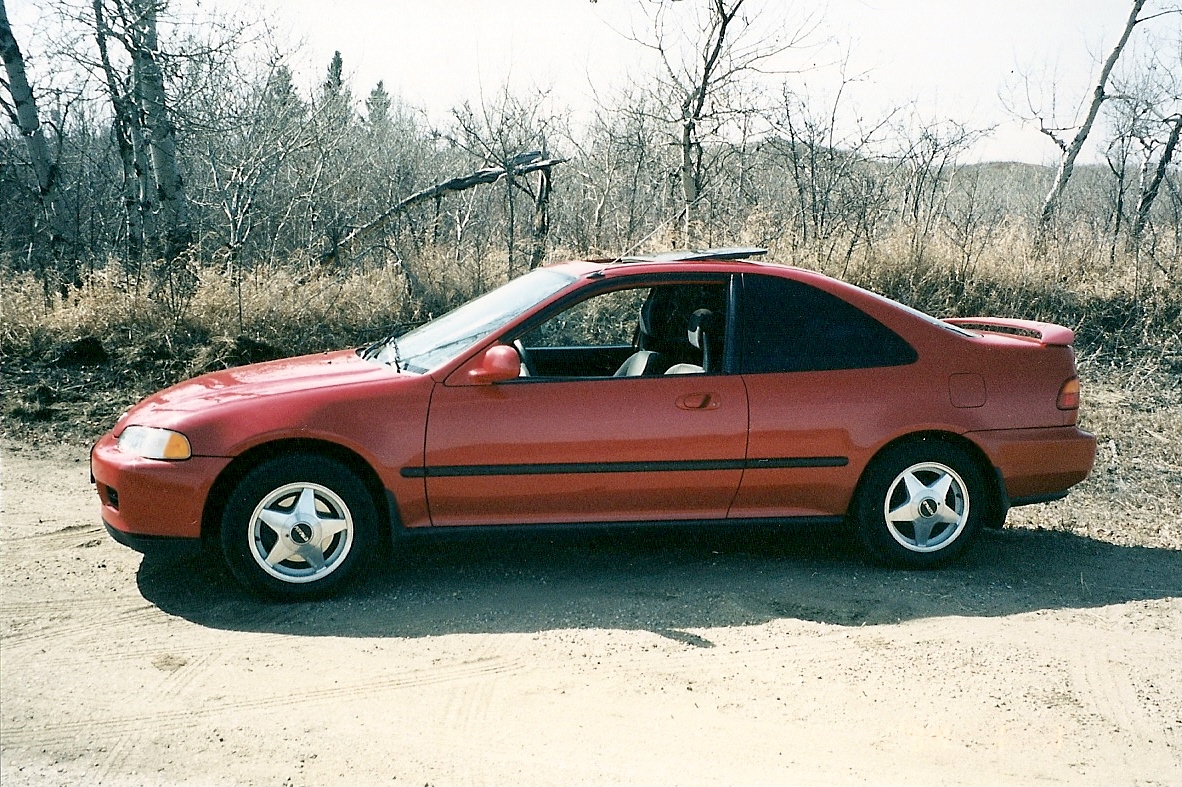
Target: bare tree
(22,111)
(707,49)
(1151,102)
(504,134)
(614,195)
(1070,148)
(973,214)
(837,197)
(1117,156)
(144,48)
(138,195)
(924,169)
(143,125)
(1145,112)
(1156,173)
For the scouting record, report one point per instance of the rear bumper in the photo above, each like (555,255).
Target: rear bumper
(151,498)
(1038,465)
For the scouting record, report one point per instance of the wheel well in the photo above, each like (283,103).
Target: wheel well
(997,498)
(219,493)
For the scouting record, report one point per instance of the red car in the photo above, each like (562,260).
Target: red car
(684,387)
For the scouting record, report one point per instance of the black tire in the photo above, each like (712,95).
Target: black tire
(920,504)
(297,527)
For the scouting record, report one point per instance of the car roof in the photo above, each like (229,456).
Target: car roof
(696,255)
(707,262)
(683,260)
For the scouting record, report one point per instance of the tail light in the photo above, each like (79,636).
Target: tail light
(1069,395)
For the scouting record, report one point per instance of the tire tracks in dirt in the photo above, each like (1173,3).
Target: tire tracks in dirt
(40,622)
(63,538)
(1102,682)
(128,724)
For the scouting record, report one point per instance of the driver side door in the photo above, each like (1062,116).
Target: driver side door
(583,447)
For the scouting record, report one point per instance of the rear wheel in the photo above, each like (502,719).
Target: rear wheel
(920,504)
(298,526)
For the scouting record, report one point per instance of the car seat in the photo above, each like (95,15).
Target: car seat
(648,359)
(698,332)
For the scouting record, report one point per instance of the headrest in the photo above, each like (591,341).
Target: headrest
(649,317)
(700,322)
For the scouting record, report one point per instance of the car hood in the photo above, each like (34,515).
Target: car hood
(243,384)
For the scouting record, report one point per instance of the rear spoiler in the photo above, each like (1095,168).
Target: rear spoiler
(1045,333)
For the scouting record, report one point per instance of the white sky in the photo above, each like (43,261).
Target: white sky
(953,58)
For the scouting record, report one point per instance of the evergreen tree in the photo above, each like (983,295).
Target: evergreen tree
(334,80)
(377,106)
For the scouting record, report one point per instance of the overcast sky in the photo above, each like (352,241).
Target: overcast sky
(952,58)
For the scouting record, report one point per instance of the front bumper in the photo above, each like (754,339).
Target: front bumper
(148,497)
(1037,465)
(156,546)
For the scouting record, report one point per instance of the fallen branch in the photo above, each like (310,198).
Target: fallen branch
(521,164)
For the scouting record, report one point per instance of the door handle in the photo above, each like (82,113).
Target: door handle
(698,401)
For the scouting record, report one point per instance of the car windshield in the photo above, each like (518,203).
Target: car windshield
(443,338)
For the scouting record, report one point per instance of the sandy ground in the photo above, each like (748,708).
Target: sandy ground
(705,657)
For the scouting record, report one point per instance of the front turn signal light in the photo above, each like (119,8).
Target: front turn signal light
(1069,395)
(154,443)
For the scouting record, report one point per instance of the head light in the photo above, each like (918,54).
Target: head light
(153,443)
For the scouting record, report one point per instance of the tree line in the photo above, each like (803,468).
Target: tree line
(161,151)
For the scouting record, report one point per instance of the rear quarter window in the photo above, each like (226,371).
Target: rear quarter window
(787,326)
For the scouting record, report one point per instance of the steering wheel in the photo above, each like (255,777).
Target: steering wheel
(527,364)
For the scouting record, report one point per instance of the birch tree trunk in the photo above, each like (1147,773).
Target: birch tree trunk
(161,134)
(1070,150)
(541,221)
(1150,190)
(23,113)
(138,196)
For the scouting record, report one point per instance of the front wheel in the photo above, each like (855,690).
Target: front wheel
(297,527)
(920,504)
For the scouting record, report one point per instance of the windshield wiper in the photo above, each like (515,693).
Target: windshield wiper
(397,357)
(371,351)
(374,350)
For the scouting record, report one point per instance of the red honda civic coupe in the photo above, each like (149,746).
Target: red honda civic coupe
(685,387)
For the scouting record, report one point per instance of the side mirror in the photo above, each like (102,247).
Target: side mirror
(499,363)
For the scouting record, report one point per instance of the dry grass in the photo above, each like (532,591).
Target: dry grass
(1133,495)
(1128,322)
(1129,328)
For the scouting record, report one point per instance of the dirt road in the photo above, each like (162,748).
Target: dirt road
(645,657)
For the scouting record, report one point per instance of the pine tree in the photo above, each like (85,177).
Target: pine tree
(377,106)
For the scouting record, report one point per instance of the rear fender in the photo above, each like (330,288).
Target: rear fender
(996,493)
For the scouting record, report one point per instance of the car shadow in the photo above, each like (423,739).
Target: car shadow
(668,581)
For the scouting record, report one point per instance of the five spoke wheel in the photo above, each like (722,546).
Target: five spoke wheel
(297,526)
(920,503)
(301,532)
(926,507)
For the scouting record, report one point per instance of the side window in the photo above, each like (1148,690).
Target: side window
(787,326)
(638,331)
(607,319)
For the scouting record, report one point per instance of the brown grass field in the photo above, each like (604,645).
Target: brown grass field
(70,366)
(1047,653)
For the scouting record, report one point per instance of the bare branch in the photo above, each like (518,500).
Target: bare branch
(1072,149)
